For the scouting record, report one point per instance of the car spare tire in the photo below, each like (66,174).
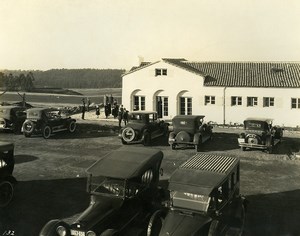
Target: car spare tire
(182,136)
(128,134)
(28,127)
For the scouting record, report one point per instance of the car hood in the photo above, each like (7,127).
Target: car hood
(99,209)
(177,224)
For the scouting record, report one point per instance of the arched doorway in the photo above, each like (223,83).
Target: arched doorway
(161,103)
(184,103)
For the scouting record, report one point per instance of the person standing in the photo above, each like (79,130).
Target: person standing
(97,111)
(120,115)
(83,111)
(88,104)
(125,116)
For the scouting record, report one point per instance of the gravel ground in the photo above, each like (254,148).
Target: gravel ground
(51,176)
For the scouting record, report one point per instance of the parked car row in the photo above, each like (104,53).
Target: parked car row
(191,130)
(35,121)
(125,197)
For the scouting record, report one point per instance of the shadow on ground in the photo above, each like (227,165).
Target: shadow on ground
(273,214)
(37,202)
(24,158)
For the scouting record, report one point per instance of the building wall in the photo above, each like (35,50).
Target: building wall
(180,82)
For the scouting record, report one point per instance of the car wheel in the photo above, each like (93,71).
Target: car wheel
(27,135)
(243,149)
(198,146)
(46,131)
(270,150)
(155,224)
(72,126)
(216,228)
(147,139)
(173,146)
(269,145)
(128,134)
(51,227)
(6,193)
(123,141)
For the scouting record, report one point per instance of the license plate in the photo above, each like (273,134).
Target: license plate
(77,233)
(241,140)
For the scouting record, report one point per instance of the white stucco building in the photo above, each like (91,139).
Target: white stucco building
(225,92)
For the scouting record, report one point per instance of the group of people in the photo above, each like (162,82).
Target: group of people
(122,115)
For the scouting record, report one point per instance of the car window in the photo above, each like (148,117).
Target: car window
(33,114)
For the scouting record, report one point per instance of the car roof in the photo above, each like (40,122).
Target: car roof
(126,162)
(142,112)
(41,109)
(192,117)
(10,107)
(202,173)
(259,119)
(5,146)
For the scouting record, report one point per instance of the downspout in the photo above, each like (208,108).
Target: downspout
(224,99)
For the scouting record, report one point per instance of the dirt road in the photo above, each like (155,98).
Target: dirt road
(51,177)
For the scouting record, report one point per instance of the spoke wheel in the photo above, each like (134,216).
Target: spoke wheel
(72,127)
(46,131)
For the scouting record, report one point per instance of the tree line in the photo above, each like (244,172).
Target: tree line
(61,78)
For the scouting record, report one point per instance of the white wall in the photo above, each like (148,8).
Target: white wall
(178,80)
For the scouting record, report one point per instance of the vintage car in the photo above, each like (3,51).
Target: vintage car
(189,130)
(12,118)
(7,181)
(47,121)
(143,127)
(124,193)
(260,134)
(204,199)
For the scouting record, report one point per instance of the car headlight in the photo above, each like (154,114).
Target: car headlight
(61,231)
(90,233)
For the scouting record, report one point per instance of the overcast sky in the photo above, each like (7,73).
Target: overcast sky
(47,34)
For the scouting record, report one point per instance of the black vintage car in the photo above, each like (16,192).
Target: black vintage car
(124,192)
(12,118)
(189,130)
(259,133)
(7,181)
(204,199)
(47,121)
(143,127)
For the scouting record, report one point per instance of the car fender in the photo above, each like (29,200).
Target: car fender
(50,228)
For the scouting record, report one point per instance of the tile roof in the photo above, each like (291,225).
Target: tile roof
(244,74)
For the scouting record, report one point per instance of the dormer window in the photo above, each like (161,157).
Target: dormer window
(160,72)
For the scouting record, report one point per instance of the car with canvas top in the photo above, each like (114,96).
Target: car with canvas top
(7,181)
(124,192)
(12,118)
(47,121)
(143,127)
(189,130)
(204,199)
(259,133)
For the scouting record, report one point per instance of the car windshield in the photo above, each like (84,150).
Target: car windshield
(256,125)
(190,201)
(114,187)
(33,114)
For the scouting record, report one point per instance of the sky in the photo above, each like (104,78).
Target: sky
(118,34)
